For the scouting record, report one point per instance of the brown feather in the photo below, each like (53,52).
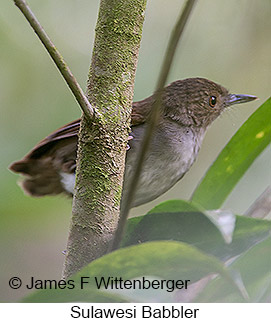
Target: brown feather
(141,111)
(57,153)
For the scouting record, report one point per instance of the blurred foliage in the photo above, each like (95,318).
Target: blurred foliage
(227,42)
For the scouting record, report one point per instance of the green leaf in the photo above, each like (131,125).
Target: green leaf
(197,229)
(231,164)
(173,206)
(130,226)
(254,268)
(166,260)
(170,206)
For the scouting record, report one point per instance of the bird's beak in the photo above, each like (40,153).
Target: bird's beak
(239,98)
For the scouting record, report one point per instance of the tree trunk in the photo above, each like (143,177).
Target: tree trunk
(102,144)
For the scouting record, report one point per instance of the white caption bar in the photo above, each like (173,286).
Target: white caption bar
(211,313)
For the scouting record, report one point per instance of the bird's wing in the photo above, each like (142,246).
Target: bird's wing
(68,135)
(56,155)
(68,131)
(141,111)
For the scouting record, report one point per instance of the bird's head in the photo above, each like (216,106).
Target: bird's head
(198,101)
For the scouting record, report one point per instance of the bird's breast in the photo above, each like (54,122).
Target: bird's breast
(169,158)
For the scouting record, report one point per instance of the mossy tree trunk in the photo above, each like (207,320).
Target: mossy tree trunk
(102,144)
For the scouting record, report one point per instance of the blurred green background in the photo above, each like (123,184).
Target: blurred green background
(226,41)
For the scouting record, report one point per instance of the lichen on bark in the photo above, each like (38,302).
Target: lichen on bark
(102,144)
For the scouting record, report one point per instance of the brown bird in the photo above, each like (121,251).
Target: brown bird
(188,107)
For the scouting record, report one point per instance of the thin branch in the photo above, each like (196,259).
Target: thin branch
(168,58)
(262,206)
(58,59)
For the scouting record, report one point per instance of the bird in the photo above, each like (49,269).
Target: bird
(188,108)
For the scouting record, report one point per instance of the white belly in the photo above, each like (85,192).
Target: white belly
(165,165)
(167,162)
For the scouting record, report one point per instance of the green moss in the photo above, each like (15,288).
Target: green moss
(118,35)
(102,145)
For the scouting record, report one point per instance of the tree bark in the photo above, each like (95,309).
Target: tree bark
(102,143)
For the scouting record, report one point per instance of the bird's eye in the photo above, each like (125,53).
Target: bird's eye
(212,101)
